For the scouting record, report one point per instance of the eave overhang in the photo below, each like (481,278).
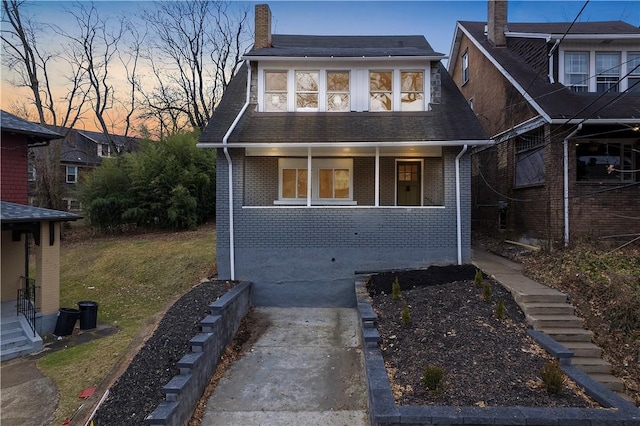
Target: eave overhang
(344,58)
(471,142)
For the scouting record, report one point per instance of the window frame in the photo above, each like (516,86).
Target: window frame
(604,82)
(74,174)
(634,76)
(623,174)
(583,85)
(329,93)
(279,92)
(420,92)
(315,92)
(390,92)
(465,67)
(31,172)
(317,164)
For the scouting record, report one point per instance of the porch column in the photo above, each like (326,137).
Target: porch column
(377,178)
(48,269)
(309,177)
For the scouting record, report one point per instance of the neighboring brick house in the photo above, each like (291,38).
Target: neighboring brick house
(80,151)
(386,135)
(562,103)
(29,304)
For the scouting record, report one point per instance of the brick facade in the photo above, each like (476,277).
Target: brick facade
(14,169)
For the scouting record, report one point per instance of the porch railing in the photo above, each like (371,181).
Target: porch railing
(27,301)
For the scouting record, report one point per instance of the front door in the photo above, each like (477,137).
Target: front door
(409,187)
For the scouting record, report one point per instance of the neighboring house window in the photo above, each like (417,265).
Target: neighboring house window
(412,90)
(104,150)
(465,67)
(31,173)
(338,98)
(306,90)
(633,61)
(530,168)
(331,179)
(72,174)
(602,161)
(380,91)
(576,71)
(607,71)
(275,91)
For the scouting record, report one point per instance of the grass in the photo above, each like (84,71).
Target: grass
(132,278)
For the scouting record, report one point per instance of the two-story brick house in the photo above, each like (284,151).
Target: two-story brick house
(30,304)
(562,102)
(339,154)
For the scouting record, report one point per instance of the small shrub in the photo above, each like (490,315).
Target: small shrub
(500,311)
(432,377)
(486,292)
(552,377)
(395,289)
(406,316)
(478,279)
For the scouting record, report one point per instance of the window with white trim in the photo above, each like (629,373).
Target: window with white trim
(72,174)
(331,180)
(338,93)
(380,90)
(275,99)
(104,150)
(465,67)
(31,173)
(307,90)
(412,91)
(607,71)
(604,161)
(633,61)
(576,71)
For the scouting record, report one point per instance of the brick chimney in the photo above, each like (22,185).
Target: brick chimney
(497,22)
(263,26)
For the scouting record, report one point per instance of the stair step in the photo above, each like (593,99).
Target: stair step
(9,323)
(550,296)
(591,365)
(549,321)
(609,381)
(10,333)
(548,309)
(15,352)
(583,349)
(14,342)
(568,334)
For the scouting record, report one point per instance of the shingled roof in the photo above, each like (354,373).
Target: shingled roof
(451,120)
(17,213)
(12,123)
(556,100)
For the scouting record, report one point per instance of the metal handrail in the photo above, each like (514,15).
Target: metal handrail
(27,302)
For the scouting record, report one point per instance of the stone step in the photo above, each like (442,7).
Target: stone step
(591,365)
(549,321)
(609,381)
(583,349)
(10,333)
(568,334)
(550,296)
(548,309)
(14,342)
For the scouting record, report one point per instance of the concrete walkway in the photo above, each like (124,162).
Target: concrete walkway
(305,369)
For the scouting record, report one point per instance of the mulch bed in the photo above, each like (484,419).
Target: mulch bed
(487,361)
(139,390)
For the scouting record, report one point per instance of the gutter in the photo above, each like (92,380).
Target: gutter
(550,56)
(458,209)
(565,148)
(225,141)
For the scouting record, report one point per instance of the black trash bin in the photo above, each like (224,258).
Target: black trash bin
(66,321)
(88,314)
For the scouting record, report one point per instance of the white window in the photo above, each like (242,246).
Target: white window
(338,93)
(31,173)
(607,71)
(576,71)
(275,98)
(633,61)
(381,91)
(331,180)
(72,174)
(104,150)
(412,90)
(307,90)
(465,67)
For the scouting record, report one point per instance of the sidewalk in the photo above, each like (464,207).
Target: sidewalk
(306,369)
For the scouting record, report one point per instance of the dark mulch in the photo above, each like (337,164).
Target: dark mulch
(139,390)
(486,361)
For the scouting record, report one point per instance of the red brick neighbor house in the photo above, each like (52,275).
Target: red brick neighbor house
(339,154)
(30,304)
(562,102)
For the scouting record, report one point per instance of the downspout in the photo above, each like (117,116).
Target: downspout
(551,52)
(225,140)
(565,148)
(458,208)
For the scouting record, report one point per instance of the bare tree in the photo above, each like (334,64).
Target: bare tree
(195,49)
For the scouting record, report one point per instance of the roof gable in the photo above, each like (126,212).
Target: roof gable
(12,123)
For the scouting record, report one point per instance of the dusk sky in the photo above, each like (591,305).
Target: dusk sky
(434,19)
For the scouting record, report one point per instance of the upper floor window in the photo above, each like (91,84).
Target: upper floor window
(607,71)
(380,91)
(633,61)
(104,150)
(412,90)
(306,90)
(576,71)
(72,174)
(275,91)
(338,98)
(31,173)
(465,67)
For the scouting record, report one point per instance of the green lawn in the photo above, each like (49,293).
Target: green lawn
(133,279)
